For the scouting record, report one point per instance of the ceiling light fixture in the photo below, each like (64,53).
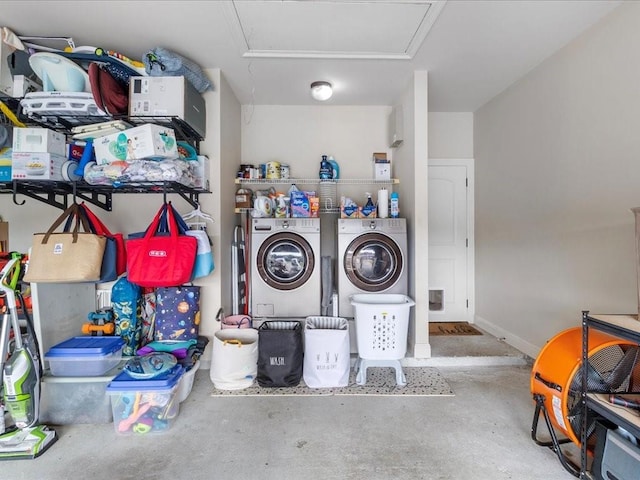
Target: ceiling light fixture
(321,91)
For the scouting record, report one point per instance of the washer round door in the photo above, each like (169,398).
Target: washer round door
(373,262)
(285,261)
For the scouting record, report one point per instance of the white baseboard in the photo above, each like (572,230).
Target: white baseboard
(525,347)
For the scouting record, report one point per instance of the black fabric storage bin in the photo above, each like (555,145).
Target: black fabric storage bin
(280,354)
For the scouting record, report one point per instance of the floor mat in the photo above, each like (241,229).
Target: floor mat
(421,381)
(452,328)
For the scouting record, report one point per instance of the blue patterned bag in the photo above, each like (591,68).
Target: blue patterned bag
(126,301)
(177,313)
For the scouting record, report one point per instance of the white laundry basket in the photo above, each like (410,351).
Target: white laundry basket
(382,324)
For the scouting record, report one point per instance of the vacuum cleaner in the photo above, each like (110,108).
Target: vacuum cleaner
(20,370)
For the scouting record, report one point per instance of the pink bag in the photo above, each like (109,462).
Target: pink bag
(234,321)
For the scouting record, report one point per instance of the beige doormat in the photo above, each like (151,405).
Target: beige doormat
(421,381)
(452,328)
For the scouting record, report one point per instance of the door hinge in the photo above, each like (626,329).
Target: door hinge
(467,303)
(467,243)
(466,182)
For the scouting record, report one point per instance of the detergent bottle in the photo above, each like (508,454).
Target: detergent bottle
(326,173)
(334,168)
(395,207)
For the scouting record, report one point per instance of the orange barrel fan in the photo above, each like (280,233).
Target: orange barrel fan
(557,374)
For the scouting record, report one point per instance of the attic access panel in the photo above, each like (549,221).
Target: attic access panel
(373,29)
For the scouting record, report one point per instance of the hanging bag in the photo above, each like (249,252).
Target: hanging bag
(125,301)
(204,264)
(66,257)
(177,313)
(280,354)
(161,261)
(234,358)
(101,229)
(108,268)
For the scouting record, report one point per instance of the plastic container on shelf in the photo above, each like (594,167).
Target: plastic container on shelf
(145,406)
(382,325)
(84,356)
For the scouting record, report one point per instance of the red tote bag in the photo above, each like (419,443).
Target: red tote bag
(161,260)
(101,229)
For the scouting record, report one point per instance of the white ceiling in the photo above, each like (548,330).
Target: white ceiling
(270,51)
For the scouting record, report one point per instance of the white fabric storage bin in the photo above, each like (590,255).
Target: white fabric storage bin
(234,358)
(327,352)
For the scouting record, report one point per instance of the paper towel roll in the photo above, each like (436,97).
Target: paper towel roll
(383,203)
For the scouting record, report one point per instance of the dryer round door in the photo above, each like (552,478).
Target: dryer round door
(285,261)
(373,262)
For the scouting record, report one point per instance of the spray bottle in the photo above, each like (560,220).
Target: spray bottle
(395,207)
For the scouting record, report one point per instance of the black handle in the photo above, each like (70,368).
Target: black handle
(549,384)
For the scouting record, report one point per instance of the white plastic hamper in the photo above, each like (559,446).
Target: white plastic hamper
(327,354)
(234,358)
(382,324)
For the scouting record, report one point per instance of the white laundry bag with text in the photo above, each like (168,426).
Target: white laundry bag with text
(327,357)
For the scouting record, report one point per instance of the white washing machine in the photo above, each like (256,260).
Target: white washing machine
(372,258)
(285,267)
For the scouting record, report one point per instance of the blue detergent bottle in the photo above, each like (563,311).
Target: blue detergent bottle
(334,167)
(326,172)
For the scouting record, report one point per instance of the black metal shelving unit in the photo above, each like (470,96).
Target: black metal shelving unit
(626,327)
(57,193)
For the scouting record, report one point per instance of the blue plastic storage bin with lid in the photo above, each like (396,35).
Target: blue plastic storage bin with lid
(142,406)
(84,356)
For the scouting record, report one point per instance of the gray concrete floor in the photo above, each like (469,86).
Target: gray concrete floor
(483,432)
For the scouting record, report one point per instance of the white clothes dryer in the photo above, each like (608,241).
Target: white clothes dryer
(285,267)
(372,258)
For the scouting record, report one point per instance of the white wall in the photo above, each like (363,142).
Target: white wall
(300,135)
(222,145)
(411,160)
(557,169)
(450,135)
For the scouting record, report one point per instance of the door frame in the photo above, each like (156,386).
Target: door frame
(469,164)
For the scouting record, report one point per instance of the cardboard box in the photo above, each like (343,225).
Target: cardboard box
(169,96)
(382,171)
(148,141)
(243,198)
(349,211)
(37,166)
(39,140)
(300,204)
(5,164)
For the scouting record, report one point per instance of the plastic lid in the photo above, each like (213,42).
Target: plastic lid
(85,346)
(126,383)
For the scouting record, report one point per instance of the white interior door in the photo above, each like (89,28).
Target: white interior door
(449,243)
